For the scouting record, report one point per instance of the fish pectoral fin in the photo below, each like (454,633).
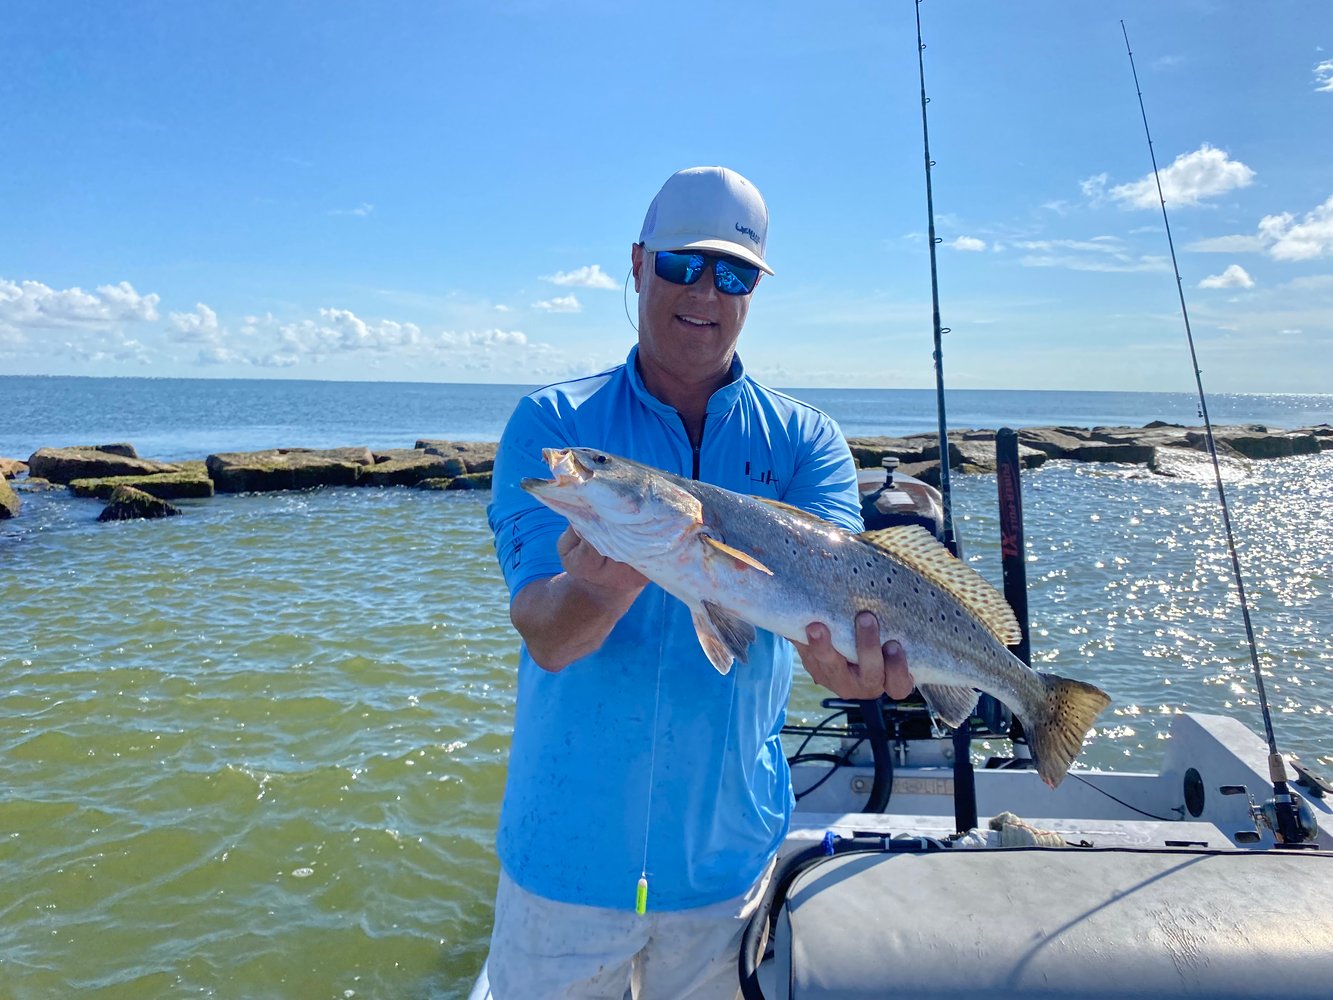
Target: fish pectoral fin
(723,636)
(735,554)
(952,704)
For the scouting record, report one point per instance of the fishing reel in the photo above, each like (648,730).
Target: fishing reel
(1287,816)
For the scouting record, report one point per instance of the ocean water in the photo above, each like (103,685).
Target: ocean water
(258,750)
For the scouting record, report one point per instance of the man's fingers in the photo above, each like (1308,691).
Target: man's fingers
(898,681)
(869,655)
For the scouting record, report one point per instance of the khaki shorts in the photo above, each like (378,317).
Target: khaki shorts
(543,950)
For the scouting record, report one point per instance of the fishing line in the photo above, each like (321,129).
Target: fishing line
(641,890)
(1288,821)
(1164,819)
(946,488)
(624,299)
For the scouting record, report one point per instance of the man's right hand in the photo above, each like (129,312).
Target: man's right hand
(586,564)
(567,616)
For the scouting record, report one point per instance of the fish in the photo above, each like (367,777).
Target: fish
(741,563)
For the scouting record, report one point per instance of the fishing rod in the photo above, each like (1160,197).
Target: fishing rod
(1291,824)
(965,793)
(946,490)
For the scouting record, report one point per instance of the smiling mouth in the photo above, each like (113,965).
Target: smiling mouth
(695,321)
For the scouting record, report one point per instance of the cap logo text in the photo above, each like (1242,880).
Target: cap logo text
(748,232)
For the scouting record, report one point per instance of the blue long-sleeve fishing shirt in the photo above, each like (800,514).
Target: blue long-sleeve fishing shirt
(593,775)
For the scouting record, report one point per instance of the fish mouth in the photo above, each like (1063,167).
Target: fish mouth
(569,471)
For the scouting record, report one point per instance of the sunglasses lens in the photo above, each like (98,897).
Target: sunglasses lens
(732,278)
(678,268)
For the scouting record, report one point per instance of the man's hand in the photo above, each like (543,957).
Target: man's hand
(878,669)
(588,566)
(569,615)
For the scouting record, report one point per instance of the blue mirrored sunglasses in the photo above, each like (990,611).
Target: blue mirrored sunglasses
(730,276)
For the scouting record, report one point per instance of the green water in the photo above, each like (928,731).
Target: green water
(254,751)
(258,750)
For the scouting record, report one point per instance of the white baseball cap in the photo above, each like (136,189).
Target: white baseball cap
(708,208)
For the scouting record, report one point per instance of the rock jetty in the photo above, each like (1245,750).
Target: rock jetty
(1166,449)
(101,470)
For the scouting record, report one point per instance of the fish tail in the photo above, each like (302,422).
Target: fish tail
(1061,722)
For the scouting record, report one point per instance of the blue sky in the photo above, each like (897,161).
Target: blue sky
(448,191)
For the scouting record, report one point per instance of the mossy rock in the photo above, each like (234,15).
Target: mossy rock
(405,471)
(9,500)
(166,486)
(471,481)
(128,504)
(476,456)
(62,465)
(11,467)
(441,483)
(287,469)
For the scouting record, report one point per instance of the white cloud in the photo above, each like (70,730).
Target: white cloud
(1098,244)
(1234,276)
(1204,173)
(31,304)
(1094,188)
(502,308)
(1305,240)
(1101,253)
(970,243)
(200,325)
(1228,244)
(362,210)
(1323,76)
(589,276)
(560,304)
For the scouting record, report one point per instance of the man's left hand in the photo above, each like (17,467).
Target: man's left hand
(878,669)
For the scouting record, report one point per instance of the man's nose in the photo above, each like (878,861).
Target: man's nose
(705,289)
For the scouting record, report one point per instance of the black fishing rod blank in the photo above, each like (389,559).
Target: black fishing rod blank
(1291,825)
(946,491)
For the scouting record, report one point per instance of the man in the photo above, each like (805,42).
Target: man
(632,757)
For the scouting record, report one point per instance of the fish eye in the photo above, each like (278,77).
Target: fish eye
(599,459)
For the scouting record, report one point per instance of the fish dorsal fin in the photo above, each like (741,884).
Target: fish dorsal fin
(919,550)
(736,554)
(787,508)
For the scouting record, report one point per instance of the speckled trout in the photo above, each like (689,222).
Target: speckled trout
(741,563)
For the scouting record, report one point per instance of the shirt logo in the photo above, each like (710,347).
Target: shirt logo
(748,232)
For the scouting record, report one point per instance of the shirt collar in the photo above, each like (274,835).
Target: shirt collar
(719,402)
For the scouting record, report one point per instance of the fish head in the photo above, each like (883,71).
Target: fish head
(625,509)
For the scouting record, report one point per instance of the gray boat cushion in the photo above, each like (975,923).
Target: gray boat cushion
(1065,924)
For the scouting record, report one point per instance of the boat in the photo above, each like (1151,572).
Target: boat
(913,870)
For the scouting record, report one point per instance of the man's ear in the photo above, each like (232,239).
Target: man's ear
(637,255)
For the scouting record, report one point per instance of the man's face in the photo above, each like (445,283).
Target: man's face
(689,331)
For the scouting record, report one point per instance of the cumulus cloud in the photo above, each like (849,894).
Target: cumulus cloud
(1323,76)
(560,304)
(970,243)
(1234,276)
(589,276)
(200,325)
(31,304)
(1307,239)
(1205,173)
